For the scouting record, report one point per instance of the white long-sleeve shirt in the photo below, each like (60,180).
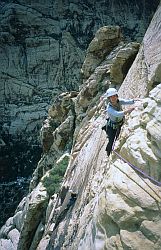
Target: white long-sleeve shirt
(115,113)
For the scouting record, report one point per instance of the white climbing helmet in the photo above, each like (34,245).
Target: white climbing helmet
(111,92)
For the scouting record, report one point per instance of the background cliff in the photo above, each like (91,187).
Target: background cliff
(102,202)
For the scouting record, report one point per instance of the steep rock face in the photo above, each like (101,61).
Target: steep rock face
(146,68)
(114,207)
(143,142)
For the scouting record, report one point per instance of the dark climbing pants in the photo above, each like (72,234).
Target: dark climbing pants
(112,135)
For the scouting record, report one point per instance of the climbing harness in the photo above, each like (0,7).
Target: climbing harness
(115,125)
(112,124)
(135,168)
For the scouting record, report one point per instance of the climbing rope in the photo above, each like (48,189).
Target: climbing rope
(135,168)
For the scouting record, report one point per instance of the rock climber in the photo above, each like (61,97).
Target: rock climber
(115,115)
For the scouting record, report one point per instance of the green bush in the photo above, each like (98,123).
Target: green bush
(53,180)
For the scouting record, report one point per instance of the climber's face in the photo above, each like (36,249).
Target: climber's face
(113,99)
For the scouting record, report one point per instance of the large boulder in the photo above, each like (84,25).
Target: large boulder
(105,40)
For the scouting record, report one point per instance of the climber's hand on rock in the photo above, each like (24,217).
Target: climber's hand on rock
(128,111)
